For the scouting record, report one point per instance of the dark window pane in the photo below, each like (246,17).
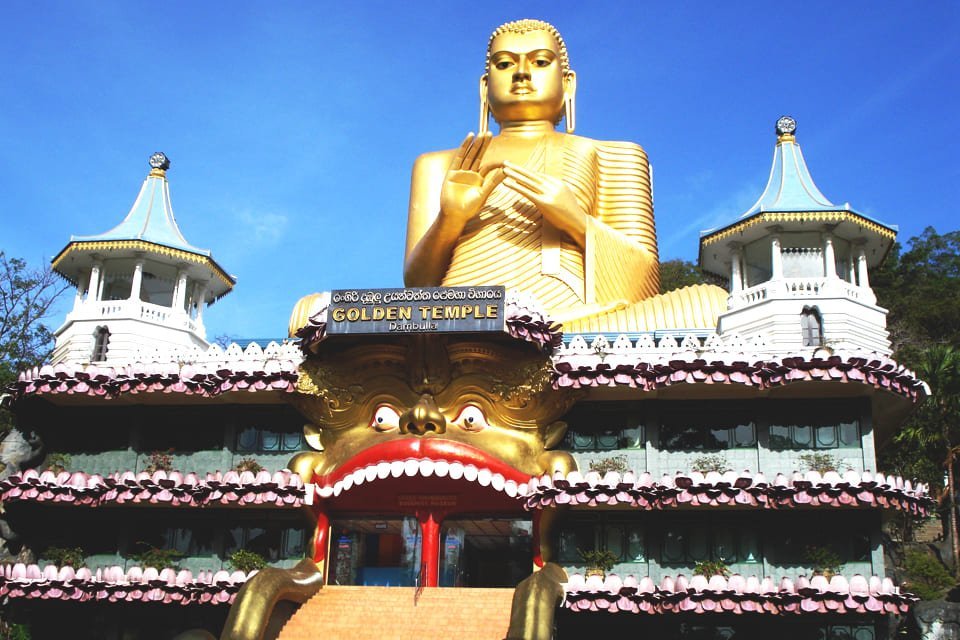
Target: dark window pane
(582,441)
(780,437)
(269,440)
(850,434)
(247,440)
(608,440)
(673,547)
(679,438)
(802,436)
(826,437)
(633,438)
(718,439)
(292,441)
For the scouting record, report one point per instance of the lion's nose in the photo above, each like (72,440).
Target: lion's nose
(423,417)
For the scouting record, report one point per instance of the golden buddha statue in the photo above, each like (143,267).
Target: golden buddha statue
(564,218)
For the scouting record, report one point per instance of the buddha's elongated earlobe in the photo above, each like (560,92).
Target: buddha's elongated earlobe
(570,100)
(484,107)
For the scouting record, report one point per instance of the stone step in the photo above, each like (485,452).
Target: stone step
(389,613)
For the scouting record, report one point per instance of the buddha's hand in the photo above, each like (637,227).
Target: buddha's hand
(466,187)
(551,195)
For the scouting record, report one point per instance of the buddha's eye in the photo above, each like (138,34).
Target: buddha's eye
(541,62)
(385,418)
(502,64)
(471,418)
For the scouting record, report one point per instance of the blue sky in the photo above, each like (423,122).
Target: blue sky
(292,126)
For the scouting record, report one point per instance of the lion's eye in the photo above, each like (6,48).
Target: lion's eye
(385,418)
(471,418)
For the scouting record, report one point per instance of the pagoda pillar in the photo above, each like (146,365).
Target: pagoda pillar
(862,278)
(180,292)
(776,257)
(201,297)
(93,289)
(829,257)
(736,269)
(137,282)
(78,299)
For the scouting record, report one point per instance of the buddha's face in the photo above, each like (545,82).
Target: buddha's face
(525,80)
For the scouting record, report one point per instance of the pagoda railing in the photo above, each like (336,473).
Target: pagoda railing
(136,310)
(806,287)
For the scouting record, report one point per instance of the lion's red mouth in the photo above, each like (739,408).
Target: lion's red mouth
(423,457)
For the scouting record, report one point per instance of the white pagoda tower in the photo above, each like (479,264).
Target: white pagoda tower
(140,286)
(798,265)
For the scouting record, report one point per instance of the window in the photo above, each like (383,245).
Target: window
(689,544)
(101,342)
(625,540)
(272,541)
(811,327)
(263,440)
(595,427)
(814,433)
(707,430)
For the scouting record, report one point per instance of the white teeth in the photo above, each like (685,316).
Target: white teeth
(383,470)
(470,473)
(510,487)
(441,468)
(370,473)
(484,476)
(347,482)
(411,467)
(359,476)
(325,492)
(337,488)
(456,470)
(497,482)
(426,468)
(396,468)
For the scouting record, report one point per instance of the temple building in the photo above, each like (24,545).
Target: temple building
(447,460)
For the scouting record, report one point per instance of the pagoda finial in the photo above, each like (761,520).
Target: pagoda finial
(785,128)
(159,163)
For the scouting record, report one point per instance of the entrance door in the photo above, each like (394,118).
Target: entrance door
(375,551)
(484,551)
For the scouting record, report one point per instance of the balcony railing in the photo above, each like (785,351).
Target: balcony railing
(809,287)
(136,310)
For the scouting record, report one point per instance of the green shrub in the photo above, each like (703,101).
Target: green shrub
(712,462)
(246,561)
(926,576)
(820,462)
(823,559)
(160,461)
(62,557)
(157,558)
(613,463)
(249,464)
(58,462)
(709,568)
(598,559)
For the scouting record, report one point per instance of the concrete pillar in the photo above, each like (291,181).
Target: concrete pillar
(776,257)
(95,287)
(81,287)
(180,292)
(137,280)
(201,296)
(736,269)
(862,278)
(829,257)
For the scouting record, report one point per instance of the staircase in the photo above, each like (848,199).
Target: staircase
(389,613)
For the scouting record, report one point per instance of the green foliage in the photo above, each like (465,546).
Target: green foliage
(13,631)
(246,561)
(611,463)
(711,462)
(823,559)
(64,557)
(249,464)
(709,568)
(677,273)
(598,559)
(820,462)
(160,461)
(26,297)
(926,576)
(58,462)
(921,289)
(157,558)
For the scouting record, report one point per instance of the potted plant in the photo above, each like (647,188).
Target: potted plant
(824,561)
(246,561)
(598,561)
(709,568)
(249,464)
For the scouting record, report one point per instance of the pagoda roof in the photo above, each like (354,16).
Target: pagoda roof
(151,217)
(791,195)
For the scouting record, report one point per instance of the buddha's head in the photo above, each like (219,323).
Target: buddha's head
(528,76)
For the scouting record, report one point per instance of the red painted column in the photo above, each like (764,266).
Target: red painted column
(321,537)
(430,546)
(537,554)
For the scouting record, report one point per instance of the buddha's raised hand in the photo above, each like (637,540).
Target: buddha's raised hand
(552,197)
(465,187)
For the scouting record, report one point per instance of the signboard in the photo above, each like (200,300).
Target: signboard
(417,310)
(426,500)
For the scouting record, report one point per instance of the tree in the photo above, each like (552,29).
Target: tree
(26,298)
(676,273)
(921,289)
